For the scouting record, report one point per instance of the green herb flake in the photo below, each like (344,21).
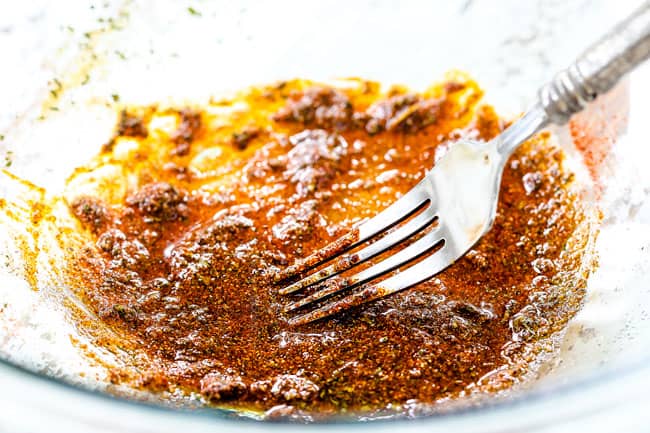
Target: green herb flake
(57,87)
(116,97)
(113,24)
(193,11)
(120,54)
(8,159)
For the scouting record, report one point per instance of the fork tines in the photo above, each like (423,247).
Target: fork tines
(417,204)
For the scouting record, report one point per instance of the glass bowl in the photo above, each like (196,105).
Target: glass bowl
(66,70)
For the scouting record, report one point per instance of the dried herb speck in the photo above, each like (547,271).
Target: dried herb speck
(8,159)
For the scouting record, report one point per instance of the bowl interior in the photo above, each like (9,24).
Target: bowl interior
(170,52)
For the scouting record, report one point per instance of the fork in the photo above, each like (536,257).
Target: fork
(457,200)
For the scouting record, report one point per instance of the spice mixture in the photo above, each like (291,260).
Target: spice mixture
(191,213)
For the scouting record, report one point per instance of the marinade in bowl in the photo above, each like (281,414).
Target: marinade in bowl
(172,236)
(58,115)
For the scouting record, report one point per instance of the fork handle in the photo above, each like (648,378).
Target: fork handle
(599,68)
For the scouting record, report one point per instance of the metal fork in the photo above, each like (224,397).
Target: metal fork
(457,199)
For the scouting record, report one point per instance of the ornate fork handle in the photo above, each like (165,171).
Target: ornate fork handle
(599,68)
